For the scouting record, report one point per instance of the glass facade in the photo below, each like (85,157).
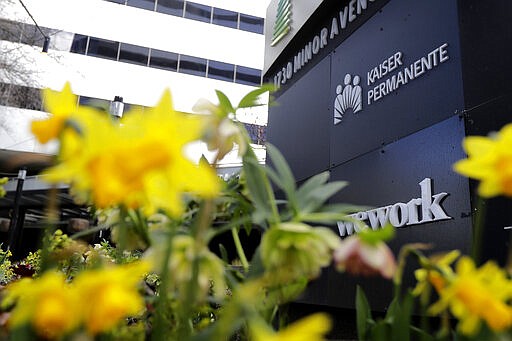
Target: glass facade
(248,76)
(133,54)
(221,71)
(164,60)
(224,17)
(198,12)
(103,48)
(251,23)
(172,7)
(192,65)
(144,4)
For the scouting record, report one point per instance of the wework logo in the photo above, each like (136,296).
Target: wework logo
(421,210)
(348,96)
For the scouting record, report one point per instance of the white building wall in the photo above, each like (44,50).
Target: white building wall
(102,78)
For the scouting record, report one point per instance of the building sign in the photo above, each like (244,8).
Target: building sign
(425,209)
(383,79)
(341,21)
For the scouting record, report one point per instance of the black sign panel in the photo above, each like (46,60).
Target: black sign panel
(392,175)
(299,124)
(398,73)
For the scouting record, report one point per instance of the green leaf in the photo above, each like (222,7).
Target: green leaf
(224,103)
(256,267)
(373,237)
(380,332)
(259,188)
(363,314)
(312,183)
(402,318)
(250,100)
(418,334)
(223,253)
(392,310)
(283,176)
(315,198)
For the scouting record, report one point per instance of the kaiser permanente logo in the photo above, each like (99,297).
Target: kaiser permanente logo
(425,209)
(283,20)
(348,96)
(388,76)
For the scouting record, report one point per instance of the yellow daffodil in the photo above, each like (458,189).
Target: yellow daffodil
(109,295)
(476,295)
(60,105)
(295,250)
(48,303)
(310,328)
(139,163)
(435,277)
(490,161)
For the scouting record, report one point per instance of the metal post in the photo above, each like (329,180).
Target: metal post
(15,228)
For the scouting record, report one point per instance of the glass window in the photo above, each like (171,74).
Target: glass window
(251,23)
(173,7)
(225,18)
(100,104)
(103,48)
(192,65)
(221,71)
(145,4)
(198,12)
(248,76)
(10,30)
(133,54)
(79,44)
(163,60)
(118,1)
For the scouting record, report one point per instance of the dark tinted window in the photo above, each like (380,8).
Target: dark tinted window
(173,7)
(192,65)
(101,104)
(251,23)
(10,31)
(247,75)
(198,12)
(145,4)
(225,18)
(133,54)
(79,44)
(222,71)
(118,1)
(102,48)
(163,60)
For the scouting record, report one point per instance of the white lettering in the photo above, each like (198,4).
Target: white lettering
(400,214)
(323,37)
(351,10)
(316,44)
(334,28)
(361,4)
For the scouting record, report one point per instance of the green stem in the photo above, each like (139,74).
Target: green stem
(240,249)
(478,230)
(158,332)
(51,219)
(199,233)
(122,235)
(424,301)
